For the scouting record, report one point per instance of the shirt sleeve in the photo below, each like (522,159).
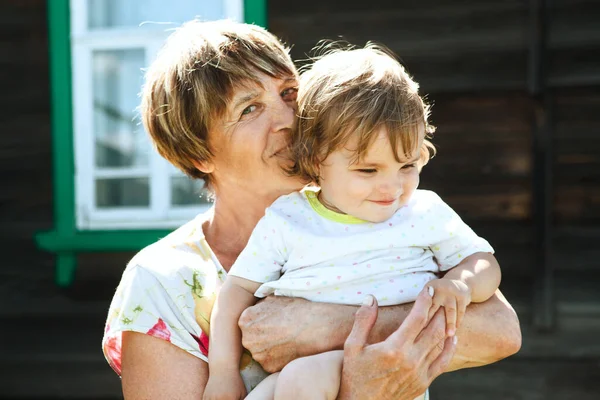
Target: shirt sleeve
(266,252)
(456,240)
(163,304)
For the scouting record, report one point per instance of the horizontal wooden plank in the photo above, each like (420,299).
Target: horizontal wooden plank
(520,379)
(575,203)
(60,378)
(445,7)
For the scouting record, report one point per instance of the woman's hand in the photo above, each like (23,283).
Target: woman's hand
(403,366)
(278,330)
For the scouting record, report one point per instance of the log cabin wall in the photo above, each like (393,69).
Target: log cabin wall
(25,146)
(472,60)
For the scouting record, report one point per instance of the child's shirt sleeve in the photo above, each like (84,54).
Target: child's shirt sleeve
(265,254)
(455,240)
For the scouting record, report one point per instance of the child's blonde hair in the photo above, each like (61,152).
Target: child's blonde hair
(191,83)
(357,92)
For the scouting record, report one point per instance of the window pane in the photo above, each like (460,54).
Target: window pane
(131,13)
(186,191)
(122,192)
(120,140)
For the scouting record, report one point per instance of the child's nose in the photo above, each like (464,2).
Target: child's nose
(392,188)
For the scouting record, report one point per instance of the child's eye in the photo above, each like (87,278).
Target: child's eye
(248,110)
(408,166)
(367,170)
(290,94)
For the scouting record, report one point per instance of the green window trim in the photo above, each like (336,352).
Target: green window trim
(65,239)
(255,12)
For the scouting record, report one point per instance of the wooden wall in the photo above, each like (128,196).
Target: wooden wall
(25,145)
(471,58)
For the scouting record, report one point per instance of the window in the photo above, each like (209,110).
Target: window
(111,191)
(120,181)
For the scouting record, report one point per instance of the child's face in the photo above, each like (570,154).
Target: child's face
(372,188)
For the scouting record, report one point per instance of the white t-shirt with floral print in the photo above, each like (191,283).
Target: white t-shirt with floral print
(167,291)
(302,249)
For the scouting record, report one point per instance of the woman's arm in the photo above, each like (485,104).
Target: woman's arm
(490,331)
(154,369)
(278,330)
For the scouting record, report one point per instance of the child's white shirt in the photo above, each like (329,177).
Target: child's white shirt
(301,249)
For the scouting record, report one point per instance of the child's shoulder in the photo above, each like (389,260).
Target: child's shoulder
(424,202)
(428,204)
(287,204)
(288,200)
(424,198)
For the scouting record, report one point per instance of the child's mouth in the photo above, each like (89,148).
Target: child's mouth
(384,202)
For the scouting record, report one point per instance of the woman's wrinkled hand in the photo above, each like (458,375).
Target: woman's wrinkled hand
(403,366)
(271,329)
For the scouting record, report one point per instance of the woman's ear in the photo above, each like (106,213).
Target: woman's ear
(206,167)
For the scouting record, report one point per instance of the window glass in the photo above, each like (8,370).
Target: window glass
(186,191)
(119,139)
(122,192)
(149,14)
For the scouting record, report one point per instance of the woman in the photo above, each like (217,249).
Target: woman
(219,103)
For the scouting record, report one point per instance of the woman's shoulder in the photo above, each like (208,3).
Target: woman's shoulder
(184,252)
(167,291)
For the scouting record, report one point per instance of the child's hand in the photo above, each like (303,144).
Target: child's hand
(227,385)
(454,296)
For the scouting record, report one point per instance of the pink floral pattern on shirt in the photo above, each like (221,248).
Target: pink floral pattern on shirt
(167,291)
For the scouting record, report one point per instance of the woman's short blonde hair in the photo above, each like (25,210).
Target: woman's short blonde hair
(192,81)
(355,93)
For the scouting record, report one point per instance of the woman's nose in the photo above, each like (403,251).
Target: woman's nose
(284,115)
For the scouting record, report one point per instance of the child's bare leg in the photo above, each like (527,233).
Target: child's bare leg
(265,390)
(311,378)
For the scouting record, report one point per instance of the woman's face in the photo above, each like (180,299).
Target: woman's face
(249,144)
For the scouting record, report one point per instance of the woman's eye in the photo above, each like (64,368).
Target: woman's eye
(290,94)
(248,110)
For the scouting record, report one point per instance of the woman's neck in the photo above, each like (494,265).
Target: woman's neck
(229,228)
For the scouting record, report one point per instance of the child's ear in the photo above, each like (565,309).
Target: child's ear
(206,166)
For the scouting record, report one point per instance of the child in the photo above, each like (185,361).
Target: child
(366,229)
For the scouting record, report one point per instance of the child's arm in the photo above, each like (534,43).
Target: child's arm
(225,346)
(480,272)
(474,280)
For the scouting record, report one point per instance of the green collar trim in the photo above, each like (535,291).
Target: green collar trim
(326,213)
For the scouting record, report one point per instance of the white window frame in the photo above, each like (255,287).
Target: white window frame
(160,214)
